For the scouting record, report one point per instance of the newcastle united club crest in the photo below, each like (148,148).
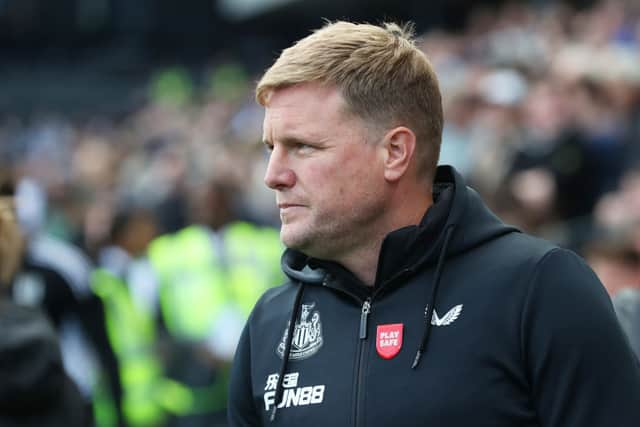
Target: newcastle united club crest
(307,335)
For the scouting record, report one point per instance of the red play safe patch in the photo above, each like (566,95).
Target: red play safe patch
(389,340)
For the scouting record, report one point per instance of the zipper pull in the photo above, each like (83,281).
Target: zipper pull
(366,308)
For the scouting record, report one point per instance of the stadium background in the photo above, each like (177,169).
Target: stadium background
(109,105)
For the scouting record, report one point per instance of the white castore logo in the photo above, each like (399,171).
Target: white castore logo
(448,318)
(307,335)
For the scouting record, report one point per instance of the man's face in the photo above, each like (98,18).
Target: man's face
(325,170)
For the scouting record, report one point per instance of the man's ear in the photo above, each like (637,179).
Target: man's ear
(399,145)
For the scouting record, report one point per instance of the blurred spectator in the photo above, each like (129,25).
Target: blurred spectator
(11,240)
(627,305)
(210,275)
(35,391)
(127,286)
(616,262)
(54,276)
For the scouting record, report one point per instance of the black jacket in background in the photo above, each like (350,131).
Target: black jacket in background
(34,389)
(520,334)
(55,277)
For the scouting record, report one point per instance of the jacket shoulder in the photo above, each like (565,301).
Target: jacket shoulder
(521,248)
(512,250)
(274,299)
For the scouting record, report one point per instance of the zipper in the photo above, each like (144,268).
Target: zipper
(364,317)
(362,349)
(358,407)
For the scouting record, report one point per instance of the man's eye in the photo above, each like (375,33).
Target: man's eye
(304,147)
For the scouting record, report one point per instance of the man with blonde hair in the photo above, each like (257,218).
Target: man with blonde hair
(408,302)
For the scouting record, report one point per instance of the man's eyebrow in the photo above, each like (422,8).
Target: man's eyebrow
(290,140)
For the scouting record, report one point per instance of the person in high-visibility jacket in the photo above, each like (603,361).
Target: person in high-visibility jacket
(125,284)
(210,275)
(148,396)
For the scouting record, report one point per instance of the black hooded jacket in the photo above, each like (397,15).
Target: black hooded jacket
(470,322)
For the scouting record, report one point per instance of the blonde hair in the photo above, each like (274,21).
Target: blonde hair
(384,78)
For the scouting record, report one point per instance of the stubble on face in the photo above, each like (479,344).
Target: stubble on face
(337,197)
(333,229)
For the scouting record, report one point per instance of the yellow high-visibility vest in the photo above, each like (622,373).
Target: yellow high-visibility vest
(199,276)
(147,395)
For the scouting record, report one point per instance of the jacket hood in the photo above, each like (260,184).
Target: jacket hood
(34,389)
(456,207)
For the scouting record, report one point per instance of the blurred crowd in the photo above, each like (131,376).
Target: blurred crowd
(542,115)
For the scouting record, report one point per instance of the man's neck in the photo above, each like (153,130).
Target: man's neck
(363,262)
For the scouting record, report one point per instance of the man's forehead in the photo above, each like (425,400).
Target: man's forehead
(307,109)
(293,126)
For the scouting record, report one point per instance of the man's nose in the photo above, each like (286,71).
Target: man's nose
(279,174)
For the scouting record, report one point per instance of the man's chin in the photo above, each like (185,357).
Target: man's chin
(292,243)
(294,239)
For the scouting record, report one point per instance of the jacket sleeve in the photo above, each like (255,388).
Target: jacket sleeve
(581,369)
(241,411)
